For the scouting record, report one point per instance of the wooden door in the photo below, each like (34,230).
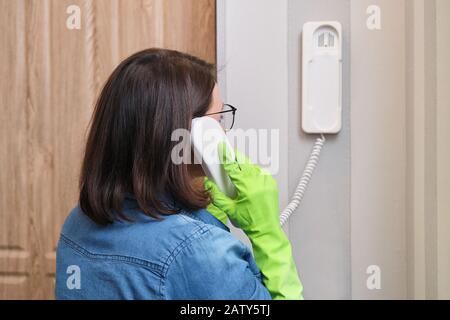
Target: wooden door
(50,76)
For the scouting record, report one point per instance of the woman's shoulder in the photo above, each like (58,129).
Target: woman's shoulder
(213,264)
(143,237)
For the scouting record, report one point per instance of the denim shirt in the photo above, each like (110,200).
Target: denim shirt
(190,255)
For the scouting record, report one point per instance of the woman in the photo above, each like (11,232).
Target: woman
(141,230)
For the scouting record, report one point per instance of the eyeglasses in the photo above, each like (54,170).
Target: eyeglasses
(226,116)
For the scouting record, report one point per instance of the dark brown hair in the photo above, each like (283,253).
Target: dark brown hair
(129,145)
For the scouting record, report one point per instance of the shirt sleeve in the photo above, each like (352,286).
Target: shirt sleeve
(214,266)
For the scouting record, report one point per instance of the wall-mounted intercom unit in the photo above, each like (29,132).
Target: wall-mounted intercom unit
(321,94)
(322,77)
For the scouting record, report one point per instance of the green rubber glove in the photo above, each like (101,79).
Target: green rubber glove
(216,212)
(255,210)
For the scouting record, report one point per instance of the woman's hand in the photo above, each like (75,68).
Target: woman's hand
(255,208)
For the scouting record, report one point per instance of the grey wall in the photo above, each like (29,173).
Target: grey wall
(252,63)
(320,229)
(379,194)
(259,59)
(428,150)
(378,175)
(443,147)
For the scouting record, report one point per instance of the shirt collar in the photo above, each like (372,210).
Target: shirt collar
(203,215)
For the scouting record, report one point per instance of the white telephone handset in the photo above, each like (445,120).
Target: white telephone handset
(206,134)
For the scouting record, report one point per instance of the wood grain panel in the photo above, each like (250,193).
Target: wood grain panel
(51,77)
(14,184)
(190,26)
